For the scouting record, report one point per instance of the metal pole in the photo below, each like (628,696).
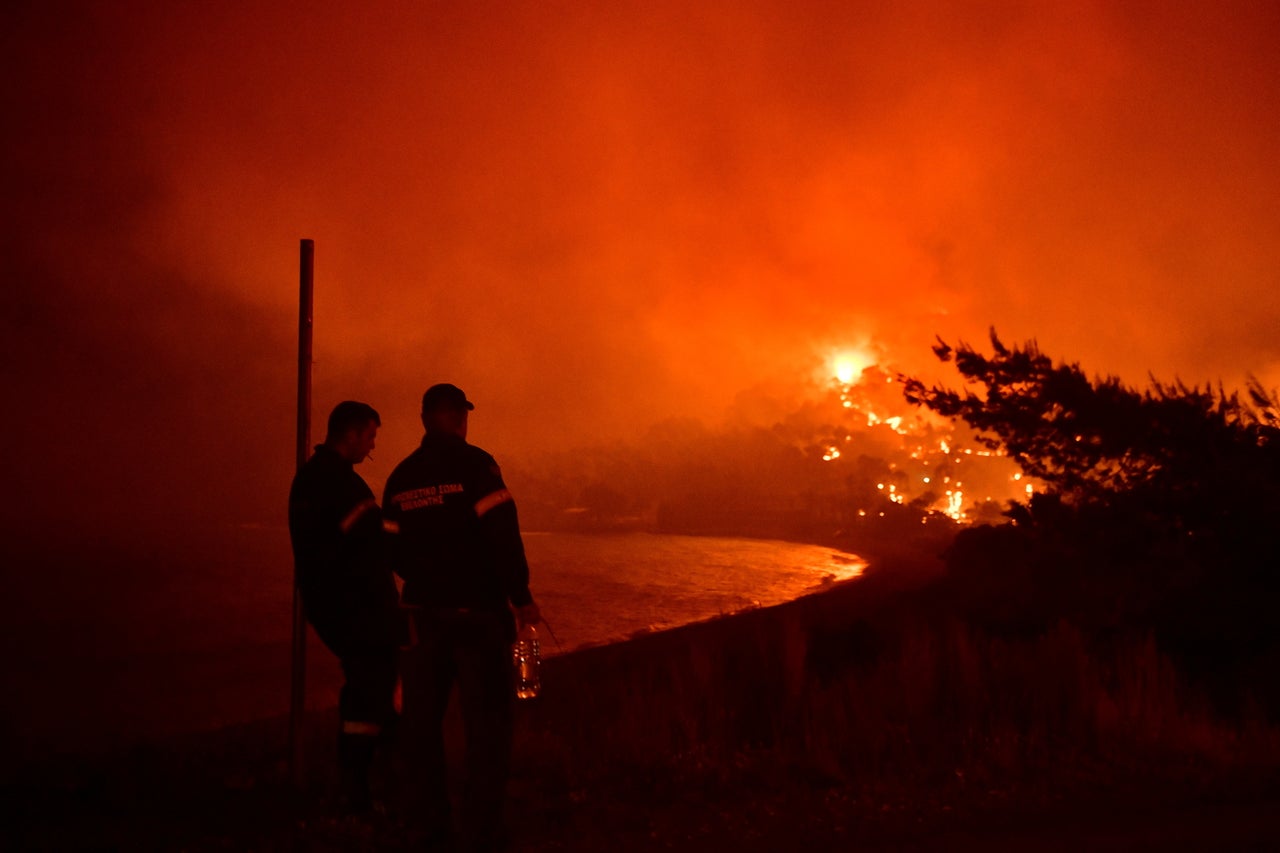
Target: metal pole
(298,677)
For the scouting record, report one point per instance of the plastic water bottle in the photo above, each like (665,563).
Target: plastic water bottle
(528,663)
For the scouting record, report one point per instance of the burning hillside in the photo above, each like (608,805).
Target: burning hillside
(855,460)
(934,465)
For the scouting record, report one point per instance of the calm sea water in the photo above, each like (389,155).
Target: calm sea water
(601,588)
(111,651)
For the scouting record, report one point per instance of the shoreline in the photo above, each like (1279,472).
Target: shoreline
(69,734)
(113,746)
(34,752)
(92,684)
(591,771)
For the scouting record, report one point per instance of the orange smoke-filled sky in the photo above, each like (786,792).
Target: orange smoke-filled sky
(596,216)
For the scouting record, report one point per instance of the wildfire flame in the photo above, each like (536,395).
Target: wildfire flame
(847,364)
(922,452)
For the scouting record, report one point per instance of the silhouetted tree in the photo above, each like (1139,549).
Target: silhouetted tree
(1160,512)
(1189,456)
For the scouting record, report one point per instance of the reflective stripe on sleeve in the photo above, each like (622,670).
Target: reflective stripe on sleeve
(359,727)
(491,500)
(354,516)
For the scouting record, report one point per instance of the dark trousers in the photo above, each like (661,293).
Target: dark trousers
(472,649)
(365,641)
(368,690)
(365,635)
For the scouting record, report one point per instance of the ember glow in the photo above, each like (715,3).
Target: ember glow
(848,364)
(933,465)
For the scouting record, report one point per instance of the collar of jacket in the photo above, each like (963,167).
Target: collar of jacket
(442,439)
(330,456)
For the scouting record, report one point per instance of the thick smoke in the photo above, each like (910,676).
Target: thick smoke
(596,218)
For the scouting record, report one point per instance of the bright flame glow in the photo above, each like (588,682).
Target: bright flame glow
(854,369)
(848,364)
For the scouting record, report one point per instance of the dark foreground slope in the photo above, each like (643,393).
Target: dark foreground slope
(863,716)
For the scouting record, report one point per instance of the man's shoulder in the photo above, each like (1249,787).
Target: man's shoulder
(405,465)
(442,458)
(482,470)
(478,455)
(316,470)
(322,483)
(454,451)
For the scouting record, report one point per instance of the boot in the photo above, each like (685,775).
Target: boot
(355,755)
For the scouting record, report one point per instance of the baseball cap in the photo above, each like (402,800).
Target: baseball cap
(445,396)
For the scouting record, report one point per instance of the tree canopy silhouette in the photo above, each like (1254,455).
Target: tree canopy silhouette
(1190,456)
(1159,510)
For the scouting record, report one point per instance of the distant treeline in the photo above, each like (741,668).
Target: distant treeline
(685,477)
(849,466)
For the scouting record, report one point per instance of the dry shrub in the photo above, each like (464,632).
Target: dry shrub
(936,698)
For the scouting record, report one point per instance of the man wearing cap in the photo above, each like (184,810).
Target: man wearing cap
(460,554)
(348,591)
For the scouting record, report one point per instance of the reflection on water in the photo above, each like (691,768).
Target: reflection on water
(601,588)
(117,649)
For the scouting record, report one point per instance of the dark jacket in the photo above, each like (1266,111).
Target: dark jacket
(459,540)
(338,549)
